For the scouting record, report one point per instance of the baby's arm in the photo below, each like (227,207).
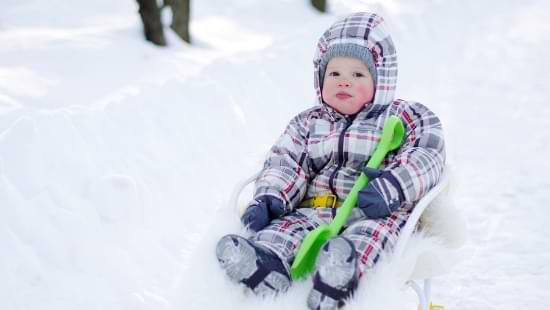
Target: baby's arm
(283,181)
(285,172)
(410,173)
(419,162)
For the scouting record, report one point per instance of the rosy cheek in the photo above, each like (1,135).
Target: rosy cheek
(365,91)
(327,90)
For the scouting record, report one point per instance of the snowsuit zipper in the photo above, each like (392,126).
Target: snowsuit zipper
(340,156)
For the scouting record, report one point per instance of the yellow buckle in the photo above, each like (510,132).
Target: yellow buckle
(322,201)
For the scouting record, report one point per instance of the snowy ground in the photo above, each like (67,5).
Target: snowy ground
(117,158)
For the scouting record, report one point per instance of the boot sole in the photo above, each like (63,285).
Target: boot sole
(337,263)
(237,257)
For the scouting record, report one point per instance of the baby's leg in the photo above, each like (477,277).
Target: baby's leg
(262,263)
(283,236)
(373,238)
(344,259)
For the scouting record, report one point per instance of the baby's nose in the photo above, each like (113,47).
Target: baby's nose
(344,83)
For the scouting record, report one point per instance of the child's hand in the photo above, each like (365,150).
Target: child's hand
(381,196)
(261,211)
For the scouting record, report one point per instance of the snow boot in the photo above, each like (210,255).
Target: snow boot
(336,275)
(256,267)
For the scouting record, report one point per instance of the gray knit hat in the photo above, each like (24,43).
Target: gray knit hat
(347,50)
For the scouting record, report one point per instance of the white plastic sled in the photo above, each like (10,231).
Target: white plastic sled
(427,264)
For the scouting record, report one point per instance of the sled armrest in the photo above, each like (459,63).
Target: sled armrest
(409,228)
(238,189)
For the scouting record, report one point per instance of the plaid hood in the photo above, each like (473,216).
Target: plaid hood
(367,30)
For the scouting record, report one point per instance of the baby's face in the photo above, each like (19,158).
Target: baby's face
(348,85)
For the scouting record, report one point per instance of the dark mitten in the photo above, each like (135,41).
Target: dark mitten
(261,211)
(381,196)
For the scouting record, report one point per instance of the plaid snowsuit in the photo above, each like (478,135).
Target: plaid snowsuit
(322,152)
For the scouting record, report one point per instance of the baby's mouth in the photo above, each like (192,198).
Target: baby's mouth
(342,95)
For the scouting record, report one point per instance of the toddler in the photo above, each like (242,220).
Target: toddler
(315,162)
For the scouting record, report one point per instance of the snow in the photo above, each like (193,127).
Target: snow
(117,158)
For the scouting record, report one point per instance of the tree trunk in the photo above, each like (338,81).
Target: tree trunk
(152,25)
(320,5)
(181,11)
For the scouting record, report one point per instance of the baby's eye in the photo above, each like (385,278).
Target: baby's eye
(358,74)
(334,73)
